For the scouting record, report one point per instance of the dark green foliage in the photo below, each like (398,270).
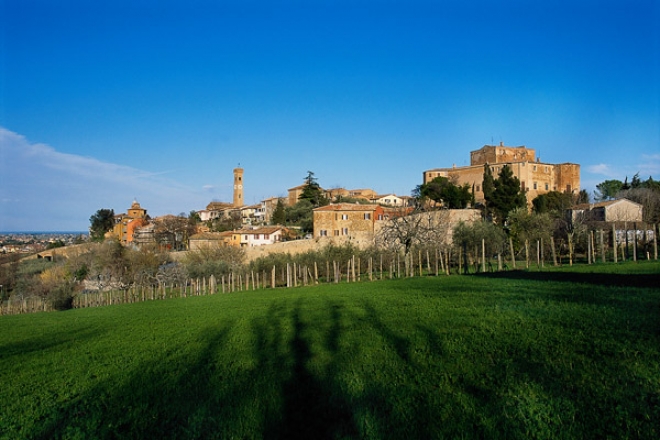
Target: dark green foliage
(514,355)
(100,223)
(506,196)
(488,185)
(279,214)
(451,196)
(582,197)
(554,202)
(312,192)
(301,214)
(607,190)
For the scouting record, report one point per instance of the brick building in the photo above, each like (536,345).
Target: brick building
(348,220)
(535,177)
(127,223)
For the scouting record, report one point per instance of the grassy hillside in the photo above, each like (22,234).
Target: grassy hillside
(554,354)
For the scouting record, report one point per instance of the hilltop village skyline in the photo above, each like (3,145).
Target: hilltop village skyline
(536,178)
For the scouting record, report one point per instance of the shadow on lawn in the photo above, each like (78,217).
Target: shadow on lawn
(262,389)
(312,408)
(297,372)
(600,279)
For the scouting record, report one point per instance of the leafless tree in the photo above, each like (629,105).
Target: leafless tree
(418,229)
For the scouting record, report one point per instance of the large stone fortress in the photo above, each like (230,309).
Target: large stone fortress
(535,177)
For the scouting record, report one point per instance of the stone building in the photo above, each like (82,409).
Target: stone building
(239,238)
(347,220)
(535,177)
(238,187)
(127,223)
(620,210)
(210,240)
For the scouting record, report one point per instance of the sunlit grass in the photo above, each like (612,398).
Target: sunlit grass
(554,354)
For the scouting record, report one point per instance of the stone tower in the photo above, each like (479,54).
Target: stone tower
(238,187)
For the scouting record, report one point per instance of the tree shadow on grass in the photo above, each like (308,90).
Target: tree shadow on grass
(599,279)
(264,388)
(312,407)
(172,396)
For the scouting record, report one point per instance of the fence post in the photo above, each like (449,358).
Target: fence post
(483,255)
(614,244)
(513,254)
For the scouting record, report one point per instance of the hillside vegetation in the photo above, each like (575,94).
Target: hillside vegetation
(564,353)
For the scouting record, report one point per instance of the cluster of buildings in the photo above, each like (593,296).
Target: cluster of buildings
(357,221)
(261,214)
(31,242)
(535,177)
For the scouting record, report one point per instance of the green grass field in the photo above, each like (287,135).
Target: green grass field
(569,353)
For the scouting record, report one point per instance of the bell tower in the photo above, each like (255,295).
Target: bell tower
(238,187)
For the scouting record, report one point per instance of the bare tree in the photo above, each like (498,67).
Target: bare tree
(405,232)
(172,232)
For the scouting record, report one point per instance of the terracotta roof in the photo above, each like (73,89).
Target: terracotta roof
(211,235)
(264,230)
(602,204)
(347,207)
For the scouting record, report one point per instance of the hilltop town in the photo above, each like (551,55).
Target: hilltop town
(347,214)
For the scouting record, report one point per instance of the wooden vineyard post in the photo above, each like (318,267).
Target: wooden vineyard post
(460,260)
(513,254)
(527,254)
(614,244)
(635,242)
(428,263)
(381,264)
(483,255)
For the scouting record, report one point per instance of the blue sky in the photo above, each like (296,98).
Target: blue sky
(105,102)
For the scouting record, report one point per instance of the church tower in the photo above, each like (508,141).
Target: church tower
(238,187)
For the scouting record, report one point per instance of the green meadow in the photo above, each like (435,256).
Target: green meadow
(559,353)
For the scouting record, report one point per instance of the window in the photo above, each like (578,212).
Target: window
(323,233)
(344,231)
(367,216)
(534,185)
(336,232)
(344,216)
(534,167)
(546,186)
(478,187)
(380,216)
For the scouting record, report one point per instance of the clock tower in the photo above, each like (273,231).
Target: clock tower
(238,187)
